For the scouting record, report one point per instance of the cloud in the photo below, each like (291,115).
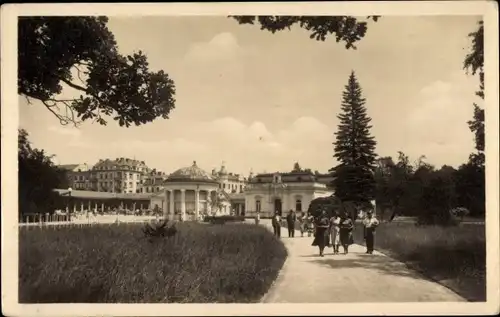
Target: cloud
(221,47)
(242,146)
(437,125)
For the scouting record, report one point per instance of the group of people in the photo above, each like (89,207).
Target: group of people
(337,230)
(306,223)
(334,231)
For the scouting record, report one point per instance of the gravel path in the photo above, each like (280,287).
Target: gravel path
(355,277)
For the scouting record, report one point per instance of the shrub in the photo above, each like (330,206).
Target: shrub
(115,264)
(437,198)
(223,219)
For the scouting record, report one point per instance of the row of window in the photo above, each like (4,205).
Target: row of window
(298,205)
(150,189)
(107,175)
(232,187)
(114,167)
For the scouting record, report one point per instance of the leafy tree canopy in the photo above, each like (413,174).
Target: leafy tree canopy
(296,167)
(38,176)
(53,49)
(346,29)
(474,62)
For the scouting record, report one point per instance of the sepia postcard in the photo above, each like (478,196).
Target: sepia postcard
(255,158)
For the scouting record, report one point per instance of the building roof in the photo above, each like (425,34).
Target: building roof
(191,174)
(69,167)
(102,195)
(122,162)
(292,177)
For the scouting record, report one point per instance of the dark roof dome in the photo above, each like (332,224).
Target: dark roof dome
(191,174)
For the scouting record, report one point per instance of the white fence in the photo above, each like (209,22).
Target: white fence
(89,220)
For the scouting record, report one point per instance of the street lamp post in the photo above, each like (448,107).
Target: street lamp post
(69,203)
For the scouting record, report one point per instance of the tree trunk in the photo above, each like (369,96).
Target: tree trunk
(393,215)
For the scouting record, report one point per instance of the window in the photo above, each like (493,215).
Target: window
(257,205)
(298,205)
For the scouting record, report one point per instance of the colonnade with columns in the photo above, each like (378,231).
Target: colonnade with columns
(80,205)
(182,199)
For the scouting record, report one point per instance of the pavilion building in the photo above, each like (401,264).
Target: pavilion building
(189,193)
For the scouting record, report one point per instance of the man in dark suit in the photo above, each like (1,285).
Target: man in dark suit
(290,221)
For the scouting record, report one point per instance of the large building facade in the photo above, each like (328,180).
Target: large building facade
(121,175)
(78,176)
(229,182)
(281,192)
(190,192)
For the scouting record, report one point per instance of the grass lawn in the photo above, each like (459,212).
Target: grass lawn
(456,256)
(233,263)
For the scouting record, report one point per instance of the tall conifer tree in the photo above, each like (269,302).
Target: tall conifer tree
(354,148)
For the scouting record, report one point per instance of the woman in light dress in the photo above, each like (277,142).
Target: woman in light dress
(309,224)
(257,218)
(335,232)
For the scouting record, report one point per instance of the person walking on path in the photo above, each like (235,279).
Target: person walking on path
(345,233)
(291,218)
(276,222)
(302,223)
(257,218)
(321,236)
(335,232)
(309,224)
(370,223)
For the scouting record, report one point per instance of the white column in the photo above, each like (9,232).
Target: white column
(171,201)
(197,204)
(209,202)
(95,207)
(166,211)
(74,208)
(183,204)
(102,207)
(81,207)
(90,206)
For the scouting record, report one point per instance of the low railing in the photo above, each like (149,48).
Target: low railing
(81,220)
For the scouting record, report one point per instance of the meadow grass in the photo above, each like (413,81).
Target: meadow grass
(233,263)
(453,256)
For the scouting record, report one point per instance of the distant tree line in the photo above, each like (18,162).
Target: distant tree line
(419,189)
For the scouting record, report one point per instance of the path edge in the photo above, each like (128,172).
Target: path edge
(414,268)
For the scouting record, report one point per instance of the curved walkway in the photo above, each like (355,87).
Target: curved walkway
(355,277)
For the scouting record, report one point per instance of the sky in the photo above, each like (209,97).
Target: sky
(260,101)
